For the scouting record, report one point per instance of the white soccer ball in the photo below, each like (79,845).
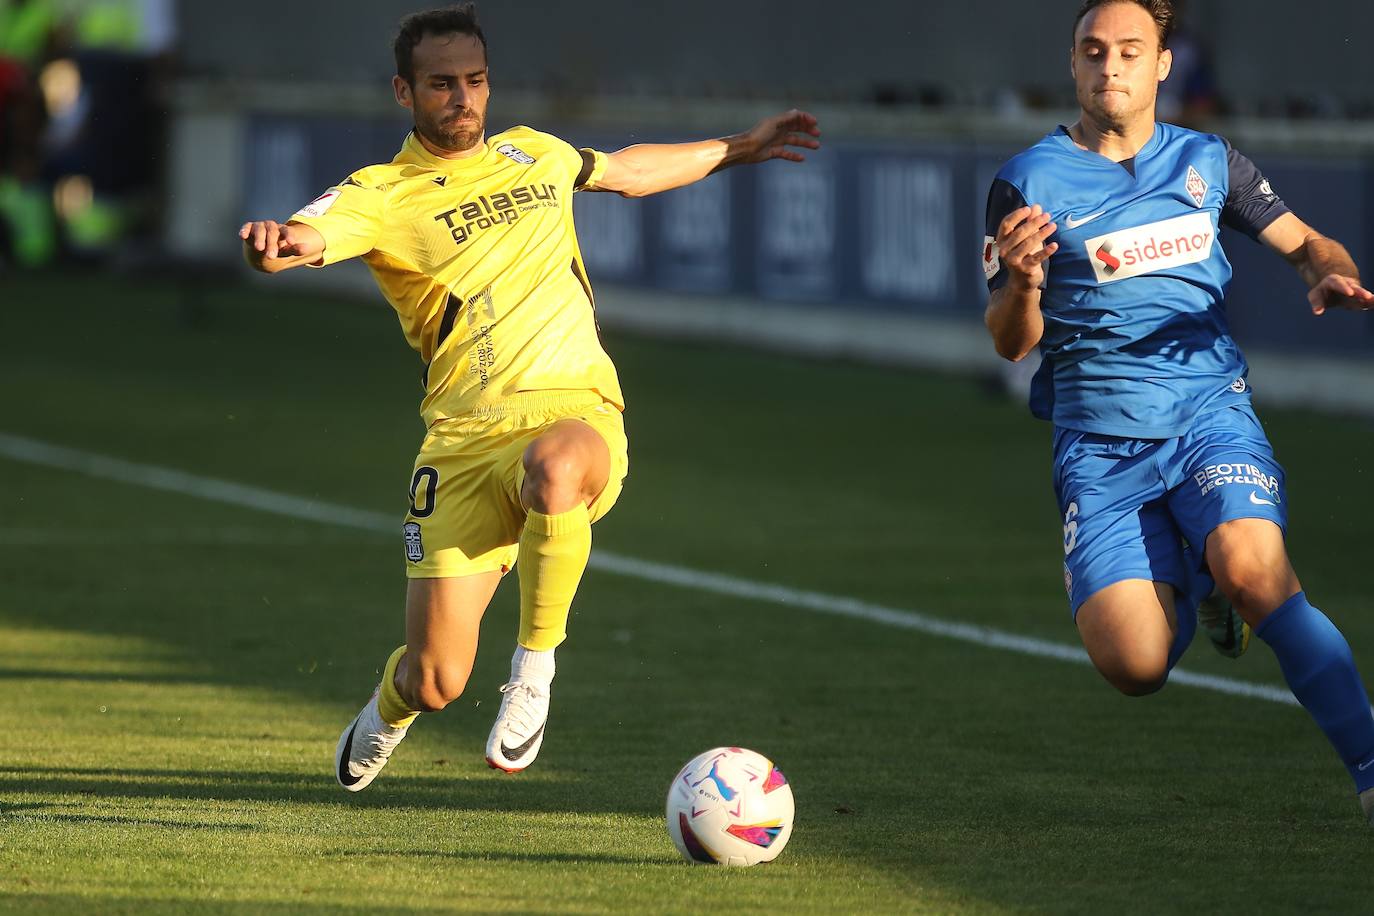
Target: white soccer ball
(729,806)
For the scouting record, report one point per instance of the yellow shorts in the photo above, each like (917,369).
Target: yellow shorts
(465,512)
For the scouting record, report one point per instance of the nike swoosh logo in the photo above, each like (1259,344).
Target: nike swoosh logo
(345,776)
(1366,765)
(515,753)
(1072,223)
(1254,498)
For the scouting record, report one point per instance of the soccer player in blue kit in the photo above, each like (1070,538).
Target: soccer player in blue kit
(1102,249)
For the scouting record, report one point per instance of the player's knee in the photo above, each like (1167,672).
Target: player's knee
(1137,687)
(552,466)
(553,477)
(1254,584)
(432,687)
(1138,676)
(1250,564)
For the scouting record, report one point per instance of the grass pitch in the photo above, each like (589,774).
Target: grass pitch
(176,670)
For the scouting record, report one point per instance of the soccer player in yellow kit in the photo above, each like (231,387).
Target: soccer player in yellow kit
(471,240)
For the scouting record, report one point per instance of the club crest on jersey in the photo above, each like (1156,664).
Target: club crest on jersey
(992,257)
(320,205)
(1196,186)
(415,548)
(515,154)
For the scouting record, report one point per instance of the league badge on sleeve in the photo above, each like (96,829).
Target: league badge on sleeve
(992,258)
(320,205)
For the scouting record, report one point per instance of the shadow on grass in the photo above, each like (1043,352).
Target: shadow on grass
(97,677)
(566,795)
(518,858)
(74,903)
(97,820)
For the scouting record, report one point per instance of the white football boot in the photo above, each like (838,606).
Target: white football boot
(364,747)
(519,730)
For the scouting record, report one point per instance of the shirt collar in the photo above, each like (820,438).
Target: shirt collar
(413,150)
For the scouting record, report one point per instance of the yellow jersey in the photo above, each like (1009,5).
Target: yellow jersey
(479,258)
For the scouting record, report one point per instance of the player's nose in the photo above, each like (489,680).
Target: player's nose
(466,98)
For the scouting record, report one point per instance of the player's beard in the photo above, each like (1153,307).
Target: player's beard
(1115,117)
(448,134)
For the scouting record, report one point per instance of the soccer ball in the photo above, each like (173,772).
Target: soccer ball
(729,806)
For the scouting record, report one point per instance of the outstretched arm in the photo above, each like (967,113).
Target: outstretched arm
(649,168)
(272,247)
(1332,278)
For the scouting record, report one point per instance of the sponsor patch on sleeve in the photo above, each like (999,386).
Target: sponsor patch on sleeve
(320,205)
(992,257)
(515,154)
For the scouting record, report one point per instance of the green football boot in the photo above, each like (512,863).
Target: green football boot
(1228,633)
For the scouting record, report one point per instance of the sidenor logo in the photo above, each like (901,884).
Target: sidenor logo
(1152,247)
(1104,254)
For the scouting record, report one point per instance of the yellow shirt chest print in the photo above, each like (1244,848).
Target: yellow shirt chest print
(479,258)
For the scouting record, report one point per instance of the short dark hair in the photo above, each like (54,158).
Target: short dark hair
(461,18)
(1161,11)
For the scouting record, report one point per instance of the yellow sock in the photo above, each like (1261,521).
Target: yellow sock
(553,553)
(395,712)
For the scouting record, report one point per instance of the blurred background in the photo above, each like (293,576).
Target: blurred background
(136,135)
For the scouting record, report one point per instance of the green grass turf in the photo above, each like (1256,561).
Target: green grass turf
(175,671)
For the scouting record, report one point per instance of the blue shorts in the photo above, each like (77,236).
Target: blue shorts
(1131,506)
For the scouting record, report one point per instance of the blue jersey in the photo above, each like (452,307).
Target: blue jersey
(1136,341)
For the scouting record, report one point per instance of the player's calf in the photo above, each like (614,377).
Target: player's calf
(1320,670)
(430,685)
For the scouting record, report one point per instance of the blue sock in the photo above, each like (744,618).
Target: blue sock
(1200,585)
(1320,670)
(1185,611)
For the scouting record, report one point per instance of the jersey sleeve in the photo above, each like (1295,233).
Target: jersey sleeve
(586,167)
(1003,198)
(1251,204)
(349,216)
(593,169)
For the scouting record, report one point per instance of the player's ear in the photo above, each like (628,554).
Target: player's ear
(1073,62)
(1166,64)
(403,93)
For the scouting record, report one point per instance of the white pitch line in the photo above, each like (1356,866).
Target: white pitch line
(32,451)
